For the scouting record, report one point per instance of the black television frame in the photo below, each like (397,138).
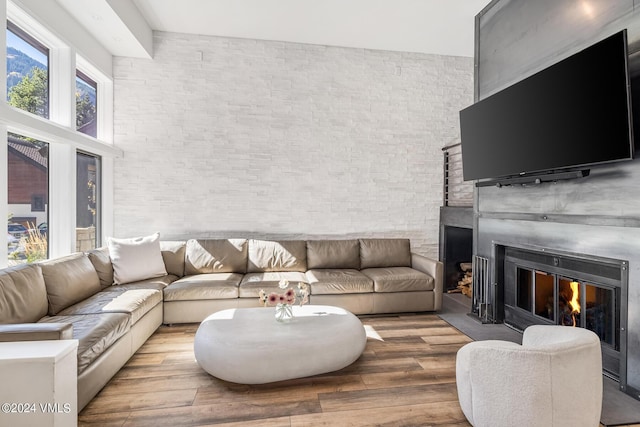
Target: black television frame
(568,169)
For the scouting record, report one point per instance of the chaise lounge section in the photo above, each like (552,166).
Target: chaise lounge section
(63,299)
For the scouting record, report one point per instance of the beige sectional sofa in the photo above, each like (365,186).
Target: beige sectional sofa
(74,297)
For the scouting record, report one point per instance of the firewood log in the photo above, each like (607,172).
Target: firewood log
(467,280)
(466,266)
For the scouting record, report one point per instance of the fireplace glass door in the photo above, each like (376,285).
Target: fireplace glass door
(574,290)
(555,298)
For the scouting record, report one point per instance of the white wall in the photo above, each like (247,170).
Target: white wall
(227,136)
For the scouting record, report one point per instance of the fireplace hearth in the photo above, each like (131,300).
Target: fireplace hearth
(574,290)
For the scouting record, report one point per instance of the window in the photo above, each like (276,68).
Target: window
(28,179)
(87,201)
(86,105)
(45,173)
(27,72)
(37,203)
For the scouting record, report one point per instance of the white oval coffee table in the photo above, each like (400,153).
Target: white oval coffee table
(248,345)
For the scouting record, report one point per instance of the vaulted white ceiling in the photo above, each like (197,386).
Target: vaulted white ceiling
(429,26)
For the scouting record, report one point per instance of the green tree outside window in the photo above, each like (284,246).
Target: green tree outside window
(31,93)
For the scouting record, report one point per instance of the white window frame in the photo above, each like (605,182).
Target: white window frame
(59,131)
(104,100)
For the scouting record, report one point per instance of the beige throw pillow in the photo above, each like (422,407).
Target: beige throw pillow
(137,258)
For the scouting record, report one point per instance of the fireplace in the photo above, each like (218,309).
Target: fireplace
(574,290)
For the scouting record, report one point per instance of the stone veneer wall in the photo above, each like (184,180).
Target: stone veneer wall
(236,137)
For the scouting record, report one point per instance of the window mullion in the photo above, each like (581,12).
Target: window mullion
(3,60)
(4,173)
(106,197)
(105,111)
(4,197)
(62,209)
(62,105)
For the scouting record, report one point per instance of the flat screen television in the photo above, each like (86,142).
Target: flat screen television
(574,113)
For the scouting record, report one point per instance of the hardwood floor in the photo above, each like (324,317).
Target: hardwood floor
(405,377)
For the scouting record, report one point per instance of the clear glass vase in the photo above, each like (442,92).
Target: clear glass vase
(284,312)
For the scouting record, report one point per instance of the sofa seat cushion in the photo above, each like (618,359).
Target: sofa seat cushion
(135,302)
(95,333)
(203,287)
(252,283)
(23,296)
(338,281)
(158,283)
(399,279)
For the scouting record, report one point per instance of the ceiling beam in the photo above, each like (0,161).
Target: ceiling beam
(117,24)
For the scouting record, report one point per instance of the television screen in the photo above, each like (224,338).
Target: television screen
(574,113)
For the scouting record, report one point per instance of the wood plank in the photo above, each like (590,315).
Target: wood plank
(281,392)
(440,330)
(263,422)
(160,370)
(446,339)
(120,385)
(418,415)
(389,397)
(372,365)
(146,359)
(438,364)
(112,419)
(123,402)
(228,412)
(407,378)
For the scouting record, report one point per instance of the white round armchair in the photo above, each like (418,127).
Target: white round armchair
(553,379)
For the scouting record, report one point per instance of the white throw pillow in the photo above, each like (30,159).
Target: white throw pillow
(137,258)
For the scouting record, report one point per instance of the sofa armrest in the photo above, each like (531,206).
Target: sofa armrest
(434,269)
(36,332)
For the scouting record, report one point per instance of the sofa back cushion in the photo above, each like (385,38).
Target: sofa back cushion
(277,255)
(376,253)
(173,253)
(216,256)
(333,254)
(23,296)
(69,280)
(102,263)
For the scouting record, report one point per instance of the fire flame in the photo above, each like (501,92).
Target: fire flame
(574,303)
